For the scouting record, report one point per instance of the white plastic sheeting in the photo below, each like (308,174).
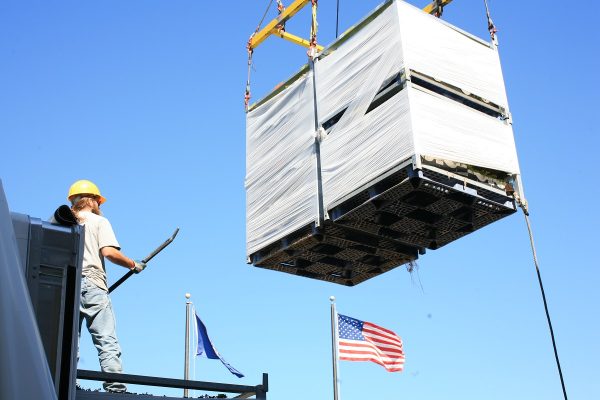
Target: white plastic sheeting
(24,372)
(355,70)
(281,172)
(445,129)
(445,52)
(362,146)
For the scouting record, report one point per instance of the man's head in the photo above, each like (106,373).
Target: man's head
(84,194)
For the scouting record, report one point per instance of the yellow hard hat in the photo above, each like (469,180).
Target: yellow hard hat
(85,187)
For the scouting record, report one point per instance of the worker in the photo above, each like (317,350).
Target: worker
(96,307)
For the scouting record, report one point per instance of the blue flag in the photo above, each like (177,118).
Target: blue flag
(206,348)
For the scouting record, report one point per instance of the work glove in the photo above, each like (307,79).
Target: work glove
(139,267)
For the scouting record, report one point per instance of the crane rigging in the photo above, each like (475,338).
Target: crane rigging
(276,27)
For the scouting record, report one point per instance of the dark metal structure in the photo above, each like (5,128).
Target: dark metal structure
(51,258)
(243,391)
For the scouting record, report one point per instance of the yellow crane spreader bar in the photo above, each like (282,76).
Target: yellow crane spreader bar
(293,38)
(274,27)
(271,27)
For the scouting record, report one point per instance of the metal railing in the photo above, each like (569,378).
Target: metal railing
(244,391)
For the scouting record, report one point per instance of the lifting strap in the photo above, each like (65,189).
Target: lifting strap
(280,9)
(247,93)
(312,49)
(491,27)
(438,8)
(280,28)
(525,208)
(251,51)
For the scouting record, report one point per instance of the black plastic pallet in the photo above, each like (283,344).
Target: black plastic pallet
(335,254)
(422,208)
(386,225)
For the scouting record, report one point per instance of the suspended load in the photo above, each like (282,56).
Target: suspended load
(396,139)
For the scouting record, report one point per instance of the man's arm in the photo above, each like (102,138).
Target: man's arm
(116,257)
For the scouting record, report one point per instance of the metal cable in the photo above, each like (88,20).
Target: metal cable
(264,16)
(539,276)
(337,18)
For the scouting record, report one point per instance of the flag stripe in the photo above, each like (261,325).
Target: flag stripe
(365,341)
(386,344)
(381,339)
(399,367)
(346,344)
(359,354)
(367,326)
(373,352)
(373,331)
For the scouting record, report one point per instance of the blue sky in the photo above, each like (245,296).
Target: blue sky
(145,98)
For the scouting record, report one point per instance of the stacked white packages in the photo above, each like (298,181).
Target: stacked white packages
(281,172)
(367,141)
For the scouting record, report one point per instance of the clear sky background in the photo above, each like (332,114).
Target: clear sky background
(145,98)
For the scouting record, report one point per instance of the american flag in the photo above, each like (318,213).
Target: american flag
(364,341)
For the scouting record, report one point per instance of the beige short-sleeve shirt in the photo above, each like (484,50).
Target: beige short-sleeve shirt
(98,234)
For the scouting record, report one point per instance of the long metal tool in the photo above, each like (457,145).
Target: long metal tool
(145,260)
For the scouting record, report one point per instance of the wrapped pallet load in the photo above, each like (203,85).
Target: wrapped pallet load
(397,138)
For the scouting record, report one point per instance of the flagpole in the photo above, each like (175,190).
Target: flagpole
(186,370)
(334,353)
